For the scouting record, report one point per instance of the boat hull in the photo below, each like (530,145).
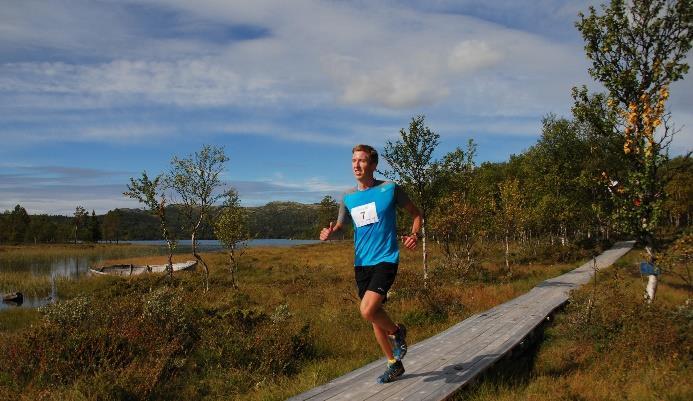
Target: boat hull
(134,270)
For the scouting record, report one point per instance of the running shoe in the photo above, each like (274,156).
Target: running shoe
(399,342)
(393,371)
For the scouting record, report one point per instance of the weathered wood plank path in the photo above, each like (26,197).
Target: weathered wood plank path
(440,365)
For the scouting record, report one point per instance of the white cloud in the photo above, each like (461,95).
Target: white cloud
(471,55)
(360,55)
(391,87)
(379,59)
(201,82)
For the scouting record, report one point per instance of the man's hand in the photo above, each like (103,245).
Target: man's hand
(409,241)
(326,232)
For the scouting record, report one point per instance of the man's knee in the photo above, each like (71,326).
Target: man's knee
(370,306)
(368,311)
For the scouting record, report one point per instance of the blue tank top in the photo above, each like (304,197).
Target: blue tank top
(373,212)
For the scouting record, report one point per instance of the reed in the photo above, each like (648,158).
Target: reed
(25,282)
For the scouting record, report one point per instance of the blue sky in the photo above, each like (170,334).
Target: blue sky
(94,92)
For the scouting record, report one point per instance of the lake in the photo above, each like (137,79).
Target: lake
(207,245)
(77,263)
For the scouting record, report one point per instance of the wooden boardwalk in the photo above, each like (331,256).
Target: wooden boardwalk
(439,366)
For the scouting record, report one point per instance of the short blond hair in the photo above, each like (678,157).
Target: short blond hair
(372,153)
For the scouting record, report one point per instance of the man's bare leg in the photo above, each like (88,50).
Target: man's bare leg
(372,310)
(383,341)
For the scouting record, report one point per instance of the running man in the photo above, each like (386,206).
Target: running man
(371,207)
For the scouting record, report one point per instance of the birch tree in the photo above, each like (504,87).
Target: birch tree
(509,214)
(78,220)
(638,49)
(152,194)
(412,165)
(196,179)
(231,228)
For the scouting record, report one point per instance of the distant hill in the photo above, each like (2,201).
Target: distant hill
(273,220)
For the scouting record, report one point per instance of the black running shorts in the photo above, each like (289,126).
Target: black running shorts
(378,278)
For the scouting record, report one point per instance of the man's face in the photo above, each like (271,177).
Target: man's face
(361,166)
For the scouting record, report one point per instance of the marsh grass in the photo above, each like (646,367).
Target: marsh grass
(606,344)
(293,324)
(15,319)
(26,283)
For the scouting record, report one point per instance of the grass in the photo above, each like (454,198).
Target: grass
(27,284)
(607,344)
(293,324)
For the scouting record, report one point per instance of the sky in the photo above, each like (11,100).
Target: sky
(93,92)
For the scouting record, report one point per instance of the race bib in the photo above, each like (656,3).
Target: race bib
(364,215)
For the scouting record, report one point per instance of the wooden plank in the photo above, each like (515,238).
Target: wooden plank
(374,369)
(440,373)
(440,365)
(423,353)
(500,326)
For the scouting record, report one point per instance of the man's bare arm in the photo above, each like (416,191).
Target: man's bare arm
(326,232)
(411,239)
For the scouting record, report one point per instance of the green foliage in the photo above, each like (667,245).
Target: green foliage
(42,229)
(19,224)
(638,46)
(112,225)
(231,222)
(231,228)
(78,221)
(94,228)
(678,203)
(637,50)
(283,220)
(411,162)
(327,212)
(196,180)
(150,192)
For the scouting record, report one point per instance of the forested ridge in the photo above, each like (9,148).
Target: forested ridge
(273,220)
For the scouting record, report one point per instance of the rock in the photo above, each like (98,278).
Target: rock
(13,297)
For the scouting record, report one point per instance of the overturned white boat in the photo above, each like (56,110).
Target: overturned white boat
(133,270)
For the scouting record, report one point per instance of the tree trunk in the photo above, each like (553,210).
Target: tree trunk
(425,251)
(651,289)
(169,267)
(507,253)
(652,279)
(193,237)
(232,267)
(469,248)
(198,257)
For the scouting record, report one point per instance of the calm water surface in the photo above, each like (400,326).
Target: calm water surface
(66,265)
